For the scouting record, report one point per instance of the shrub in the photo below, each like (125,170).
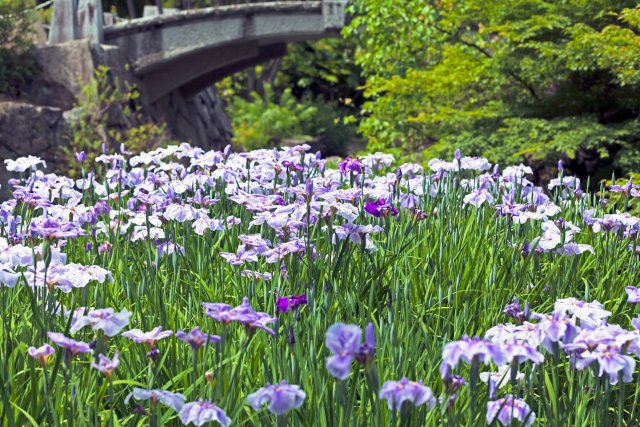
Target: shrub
(17,64)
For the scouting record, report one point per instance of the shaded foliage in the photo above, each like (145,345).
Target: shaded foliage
(17,65)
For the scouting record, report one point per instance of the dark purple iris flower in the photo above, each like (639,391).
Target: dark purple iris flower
(515,311)
(351,165)
(284,304)
(380,208)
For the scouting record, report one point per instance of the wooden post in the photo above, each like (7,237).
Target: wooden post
(160,9)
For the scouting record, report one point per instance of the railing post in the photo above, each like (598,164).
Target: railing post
(64,21)
(90,20)
(334,14)
(132,9)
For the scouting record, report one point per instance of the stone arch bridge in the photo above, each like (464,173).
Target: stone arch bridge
(175,56)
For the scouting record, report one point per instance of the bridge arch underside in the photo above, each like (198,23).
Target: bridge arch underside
(194,72)
(190,51)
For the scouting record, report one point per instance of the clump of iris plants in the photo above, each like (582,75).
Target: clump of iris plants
(309,293)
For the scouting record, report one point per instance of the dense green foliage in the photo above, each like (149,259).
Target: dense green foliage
(423,278)
(306,96)
(16,63)
(106,115)
(524,80)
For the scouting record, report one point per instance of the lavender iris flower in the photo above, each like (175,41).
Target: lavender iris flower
(467,349)
(42,353)
(243,314)
(508,409)
(49,229)
(398,392)
(150,338)
(107,366)
(73,347)
(106,320)
(196,338)
(344,342)
(611,362)
(174,401)
(280,398)
(201,412)
(633,293)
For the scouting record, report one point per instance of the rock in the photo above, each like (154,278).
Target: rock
(64,70)
(25,130)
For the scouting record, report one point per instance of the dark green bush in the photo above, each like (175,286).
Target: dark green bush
(17,64)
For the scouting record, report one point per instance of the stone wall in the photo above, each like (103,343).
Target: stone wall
(40,124)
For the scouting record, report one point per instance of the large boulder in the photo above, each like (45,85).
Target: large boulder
(26,129)
(64,70)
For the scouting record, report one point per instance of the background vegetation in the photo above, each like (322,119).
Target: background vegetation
(16,63)
(527,80)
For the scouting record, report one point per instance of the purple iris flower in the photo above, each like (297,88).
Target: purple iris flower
(556,327)
(351,165)
(625,189)
(280,398)
(72,346)
(344,342)
(515,311)
(196,338)
(174,401)
(292,166)
(508,409)
(398,392)
(81,156)
(150,338)
(201,412)
(467,349)
(521,351)
(633,293)
(105,320)
(380,208)
(611,362)
(107,366)
(284,304)
(243,314)
(50,229)
(41,354)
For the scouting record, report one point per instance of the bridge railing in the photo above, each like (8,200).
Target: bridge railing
(84,19)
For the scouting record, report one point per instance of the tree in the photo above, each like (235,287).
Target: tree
(525,80)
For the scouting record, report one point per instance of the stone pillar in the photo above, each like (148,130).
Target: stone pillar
(334,13)
(90,20)
(64,24)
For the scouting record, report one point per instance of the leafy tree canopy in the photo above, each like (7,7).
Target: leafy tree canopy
(524,80)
